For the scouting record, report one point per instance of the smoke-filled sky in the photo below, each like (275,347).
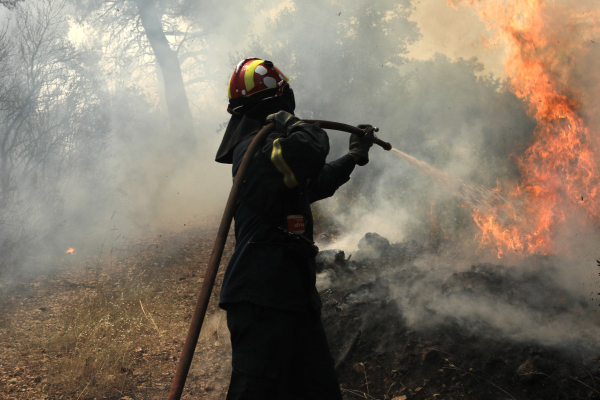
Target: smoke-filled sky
(456,33)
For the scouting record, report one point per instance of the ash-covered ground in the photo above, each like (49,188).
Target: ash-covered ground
(408,320)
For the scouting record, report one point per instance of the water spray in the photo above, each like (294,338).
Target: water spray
(477,196)
(213,265)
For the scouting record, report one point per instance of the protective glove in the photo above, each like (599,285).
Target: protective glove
(284,121)
(360,145)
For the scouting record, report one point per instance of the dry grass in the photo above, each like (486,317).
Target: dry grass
(114,328)
(104,337)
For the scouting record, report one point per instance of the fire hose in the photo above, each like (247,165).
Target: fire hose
(213,265)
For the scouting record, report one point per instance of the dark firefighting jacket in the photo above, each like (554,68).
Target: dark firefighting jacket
(286,175)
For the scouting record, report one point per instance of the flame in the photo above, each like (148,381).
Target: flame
(71,251)
(559,174)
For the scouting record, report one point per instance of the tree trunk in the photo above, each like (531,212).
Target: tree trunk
(180,115)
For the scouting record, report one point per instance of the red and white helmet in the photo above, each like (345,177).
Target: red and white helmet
(254,80)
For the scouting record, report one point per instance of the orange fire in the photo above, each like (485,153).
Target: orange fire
(71,251)
(559,173)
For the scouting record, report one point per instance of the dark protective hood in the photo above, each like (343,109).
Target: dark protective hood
(239,128)
(246,124)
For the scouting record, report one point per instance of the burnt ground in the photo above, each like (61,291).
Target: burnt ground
(110,325)
(380,356)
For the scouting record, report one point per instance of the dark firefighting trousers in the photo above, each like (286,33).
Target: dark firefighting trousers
(279,355)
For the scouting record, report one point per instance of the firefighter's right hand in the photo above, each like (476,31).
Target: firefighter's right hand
(360,145)
(284,121)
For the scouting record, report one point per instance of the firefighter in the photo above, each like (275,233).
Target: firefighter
(273,308)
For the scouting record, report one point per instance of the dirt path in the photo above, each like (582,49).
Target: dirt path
(114,329)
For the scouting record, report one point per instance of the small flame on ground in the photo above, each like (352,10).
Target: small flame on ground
(71,251)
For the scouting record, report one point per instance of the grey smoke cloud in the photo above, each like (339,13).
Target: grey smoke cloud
(531,305)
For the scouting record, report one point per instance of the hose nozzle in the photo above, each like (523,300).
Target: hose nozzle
(386,145)
(350,129)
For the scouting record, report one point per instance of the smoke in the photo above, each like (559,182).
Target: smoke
(456,122)
(135,172)
(454,115)
(467,123)
(540,300)
(383,63)
(526,304)
(148,177)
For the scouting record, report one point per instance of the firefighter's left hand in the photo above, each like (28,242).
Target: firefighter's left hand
(359,146)
(284,121)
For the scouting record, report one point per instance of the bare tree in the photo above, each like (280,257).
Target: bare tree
(10,4)
(51,124)
(153,33)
